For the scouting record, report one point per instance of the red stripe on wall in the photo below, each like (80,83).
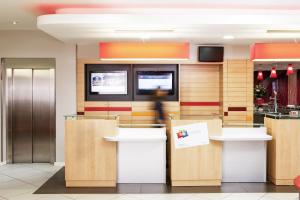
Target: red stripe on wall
(107,109)
(200,103)
(237,109)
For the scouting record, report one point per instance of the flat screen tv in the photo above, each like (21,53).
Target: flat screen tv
(110,82)
(210,54)
(149,81)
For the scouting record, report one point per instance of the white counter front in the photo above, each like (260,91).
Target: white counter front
(141,155)
(244,154)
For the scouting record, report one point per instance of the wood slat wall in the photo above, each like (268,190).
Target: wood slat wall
(237,91)
(199,83)
(136,112)
(230,85)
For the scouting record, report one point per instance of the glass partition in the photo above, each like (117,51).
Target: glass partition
(80,117)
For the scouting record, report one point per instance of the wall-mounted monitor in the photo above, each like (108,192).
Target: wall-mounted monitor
(111,82)
(148,77)
(210,53)
(149,81)
(108,82)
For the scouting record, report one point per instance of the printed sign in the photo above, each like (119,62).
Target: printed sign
(190,135)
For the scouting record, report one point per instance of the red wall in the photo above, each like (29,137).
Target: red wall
(282,86)
(298,86)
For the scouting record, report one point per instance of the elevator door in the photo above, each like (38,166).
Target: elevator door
(31,115)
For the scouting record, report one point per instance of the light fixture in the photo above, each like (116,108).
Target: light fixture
(228,37)
(260,76)
(15,22)
(297,31)
(143,30)
(290,69)
(273,73)
(145,37)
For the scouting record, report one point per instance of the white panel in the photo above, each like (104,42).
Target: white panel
(142,162)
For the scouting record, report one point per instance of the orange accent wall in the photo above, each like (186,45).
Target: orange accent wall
(275,51)
(141,50)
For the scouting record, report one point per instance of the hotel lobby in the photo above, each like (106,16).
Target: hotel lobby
(140,100)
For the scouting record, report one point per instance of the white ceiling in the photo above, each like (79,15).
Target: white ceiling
(201,21)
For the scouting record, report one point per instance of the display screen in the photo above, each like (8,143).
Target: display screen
(149,81)
(154,80)
(112,82)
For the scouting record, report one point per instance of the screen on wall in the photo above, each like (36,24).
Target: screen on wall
(151,80)
(112,82)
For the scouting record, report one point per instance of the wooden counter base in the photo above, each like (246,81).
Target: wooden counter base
(281,181)
(197,183)
(199,165)
(91,183)
(90,161)
(283,150)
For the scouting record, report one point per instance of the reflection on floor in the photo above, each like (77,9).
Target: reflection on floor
(44,181)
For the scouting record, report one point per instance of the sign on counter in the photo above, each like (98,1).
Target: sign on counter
(190,135)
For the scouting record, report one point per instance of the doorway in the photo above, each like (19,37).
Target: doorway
(30,110)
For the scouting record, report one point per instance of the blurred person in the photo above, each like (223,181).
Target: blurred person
(158,97)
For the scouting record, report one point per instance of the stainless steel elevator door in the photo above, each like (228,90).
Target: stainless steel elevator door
(22,115)
(32,115)
(41,116)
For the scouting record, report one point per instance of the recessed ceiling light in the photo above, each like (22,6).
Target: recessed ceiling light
(143,30)
(228,37)
(145,37)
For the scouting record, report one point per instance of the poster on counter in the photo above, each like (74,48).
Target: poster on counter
(190,135)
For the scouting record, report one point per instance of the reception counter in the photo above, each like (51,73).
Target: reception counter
(100,152)
(284,149)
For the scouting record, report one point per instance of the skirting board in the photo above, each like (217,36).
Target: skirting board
(71,183)
(2,163)
(281,181)
(196,183)
(60,164)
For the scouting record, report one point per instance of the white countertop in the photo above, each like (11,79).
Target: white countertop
(242,134)
(241,138)
(138,135)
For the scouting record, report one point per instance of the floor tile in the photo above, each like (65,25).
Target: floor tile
(213,196)
(154,188)
(184,196)
(129,188)
(14,188)
(245,196)
(4,178)
(281,196)
(93,196)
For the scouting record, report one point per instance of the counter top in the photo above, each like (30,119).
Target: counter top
(275,115)
(278,116)
(138,135)
(243,138)
(242,134)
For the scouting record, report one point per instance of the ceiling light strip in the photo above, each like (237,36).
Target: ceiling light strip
(144,50)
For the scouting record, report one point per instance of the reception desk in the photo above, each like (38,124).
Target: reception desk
(284,149)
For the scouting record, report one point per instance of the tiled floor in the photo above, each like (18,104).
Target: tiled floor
(20,181)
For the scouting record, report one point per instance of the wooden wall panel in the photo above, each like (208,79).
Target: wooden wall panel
(237,91)
(199,83)
(228,85)
(80,86)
